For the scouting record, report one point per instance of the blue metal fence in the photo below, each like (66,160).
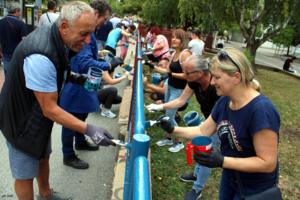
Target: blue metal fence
(137,179)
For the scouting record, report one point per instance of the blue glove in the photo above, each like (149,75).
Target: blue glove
(99,135)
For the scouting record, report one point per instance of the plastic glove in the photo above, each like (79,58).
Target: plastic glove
(149,64)
(164,76)
(154,107)
(212,160)
(78,79)
(99,135)
(166,124)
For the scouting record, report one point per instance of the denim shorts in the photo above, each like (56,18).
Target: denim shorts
(22,165)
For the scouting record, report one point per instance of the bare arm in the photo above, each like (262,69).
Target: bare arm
(179,75)
(157,89)
(180,101)
(111,81)
(50,109)
(161,70)
(208,128)
(265,145)
(125,33)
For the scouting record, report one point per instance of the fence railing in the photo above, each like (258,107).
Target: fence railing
(137,179)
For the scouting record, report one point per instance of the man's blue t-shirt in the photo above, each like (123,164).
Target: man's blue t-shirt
(113,37)
(236,129)
(103,31)
(12,31)
(40,73)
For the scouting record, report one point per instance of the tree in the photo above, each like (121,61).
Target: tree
(206,15)
(290,36)
(260,21)
(160,12)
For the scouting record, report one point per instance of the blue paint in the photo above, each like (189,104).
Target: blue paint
(192,118)
(201,141)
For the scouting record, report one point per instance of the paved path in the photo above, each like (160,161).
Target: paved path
(265,56)
(94,183)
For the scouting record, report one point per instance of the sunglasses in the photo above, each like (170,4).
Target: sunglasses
(223,55)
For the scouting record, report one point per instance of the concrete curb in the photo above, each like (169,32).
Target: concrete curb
(120,167)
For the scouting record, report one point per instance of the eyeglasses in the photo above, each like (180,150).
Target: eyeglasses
(188,73)
(223,54)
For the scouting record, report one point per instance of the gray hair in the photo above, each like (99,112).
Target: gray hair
(200,62)
(71,11)
(13,7)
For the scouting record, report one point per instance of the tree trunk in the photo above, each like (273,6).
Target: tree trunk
(252,48)
(288,51)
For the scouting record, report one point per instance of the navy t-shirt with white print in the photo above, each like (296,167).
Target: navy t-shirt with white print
(236,129)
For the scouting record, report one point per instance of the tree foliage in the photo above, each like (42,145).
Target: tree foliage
(258,20)
(206,15)
(160,12)
(291,34)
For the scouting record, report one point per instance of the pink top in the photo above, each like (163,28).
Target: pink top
(158,40)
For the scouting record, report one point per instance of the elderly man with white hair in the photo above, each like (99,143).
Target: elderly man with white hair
(28,100)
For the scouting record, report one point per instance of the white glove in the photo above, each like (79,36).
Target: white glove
(155,107)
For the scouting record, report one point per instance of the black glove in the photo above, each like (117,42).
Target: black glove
(78,79)
(212,160)
(164,76)
(101,60)
(99,135)
(166,124)
(149,64)
(116,61)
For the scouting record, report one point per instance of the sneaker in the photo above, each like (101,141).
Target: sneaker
(188,177)
(101,107)
(193,195)
(176,147)
(108,113)
(165,141)
(55,196)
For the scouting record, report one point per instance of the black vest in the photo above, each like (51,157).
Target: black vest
(21,118)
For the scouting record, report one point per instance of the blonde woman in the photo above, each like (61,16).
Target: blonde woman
(176,83)
(248,125)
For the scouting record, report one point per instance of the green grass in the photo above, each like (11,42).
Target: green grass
(284,91)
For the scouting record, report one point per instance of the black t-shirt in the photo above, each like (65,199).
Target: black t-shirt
(206,99)
(173,81)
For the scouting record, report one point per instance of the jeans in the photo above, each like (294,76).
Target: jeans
(171,94)
(229,189)
(6,62)
(202,173)
(68,135)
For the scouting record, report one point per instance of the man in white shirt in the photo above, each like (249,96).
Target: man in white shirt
(49,17)
(115,20)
